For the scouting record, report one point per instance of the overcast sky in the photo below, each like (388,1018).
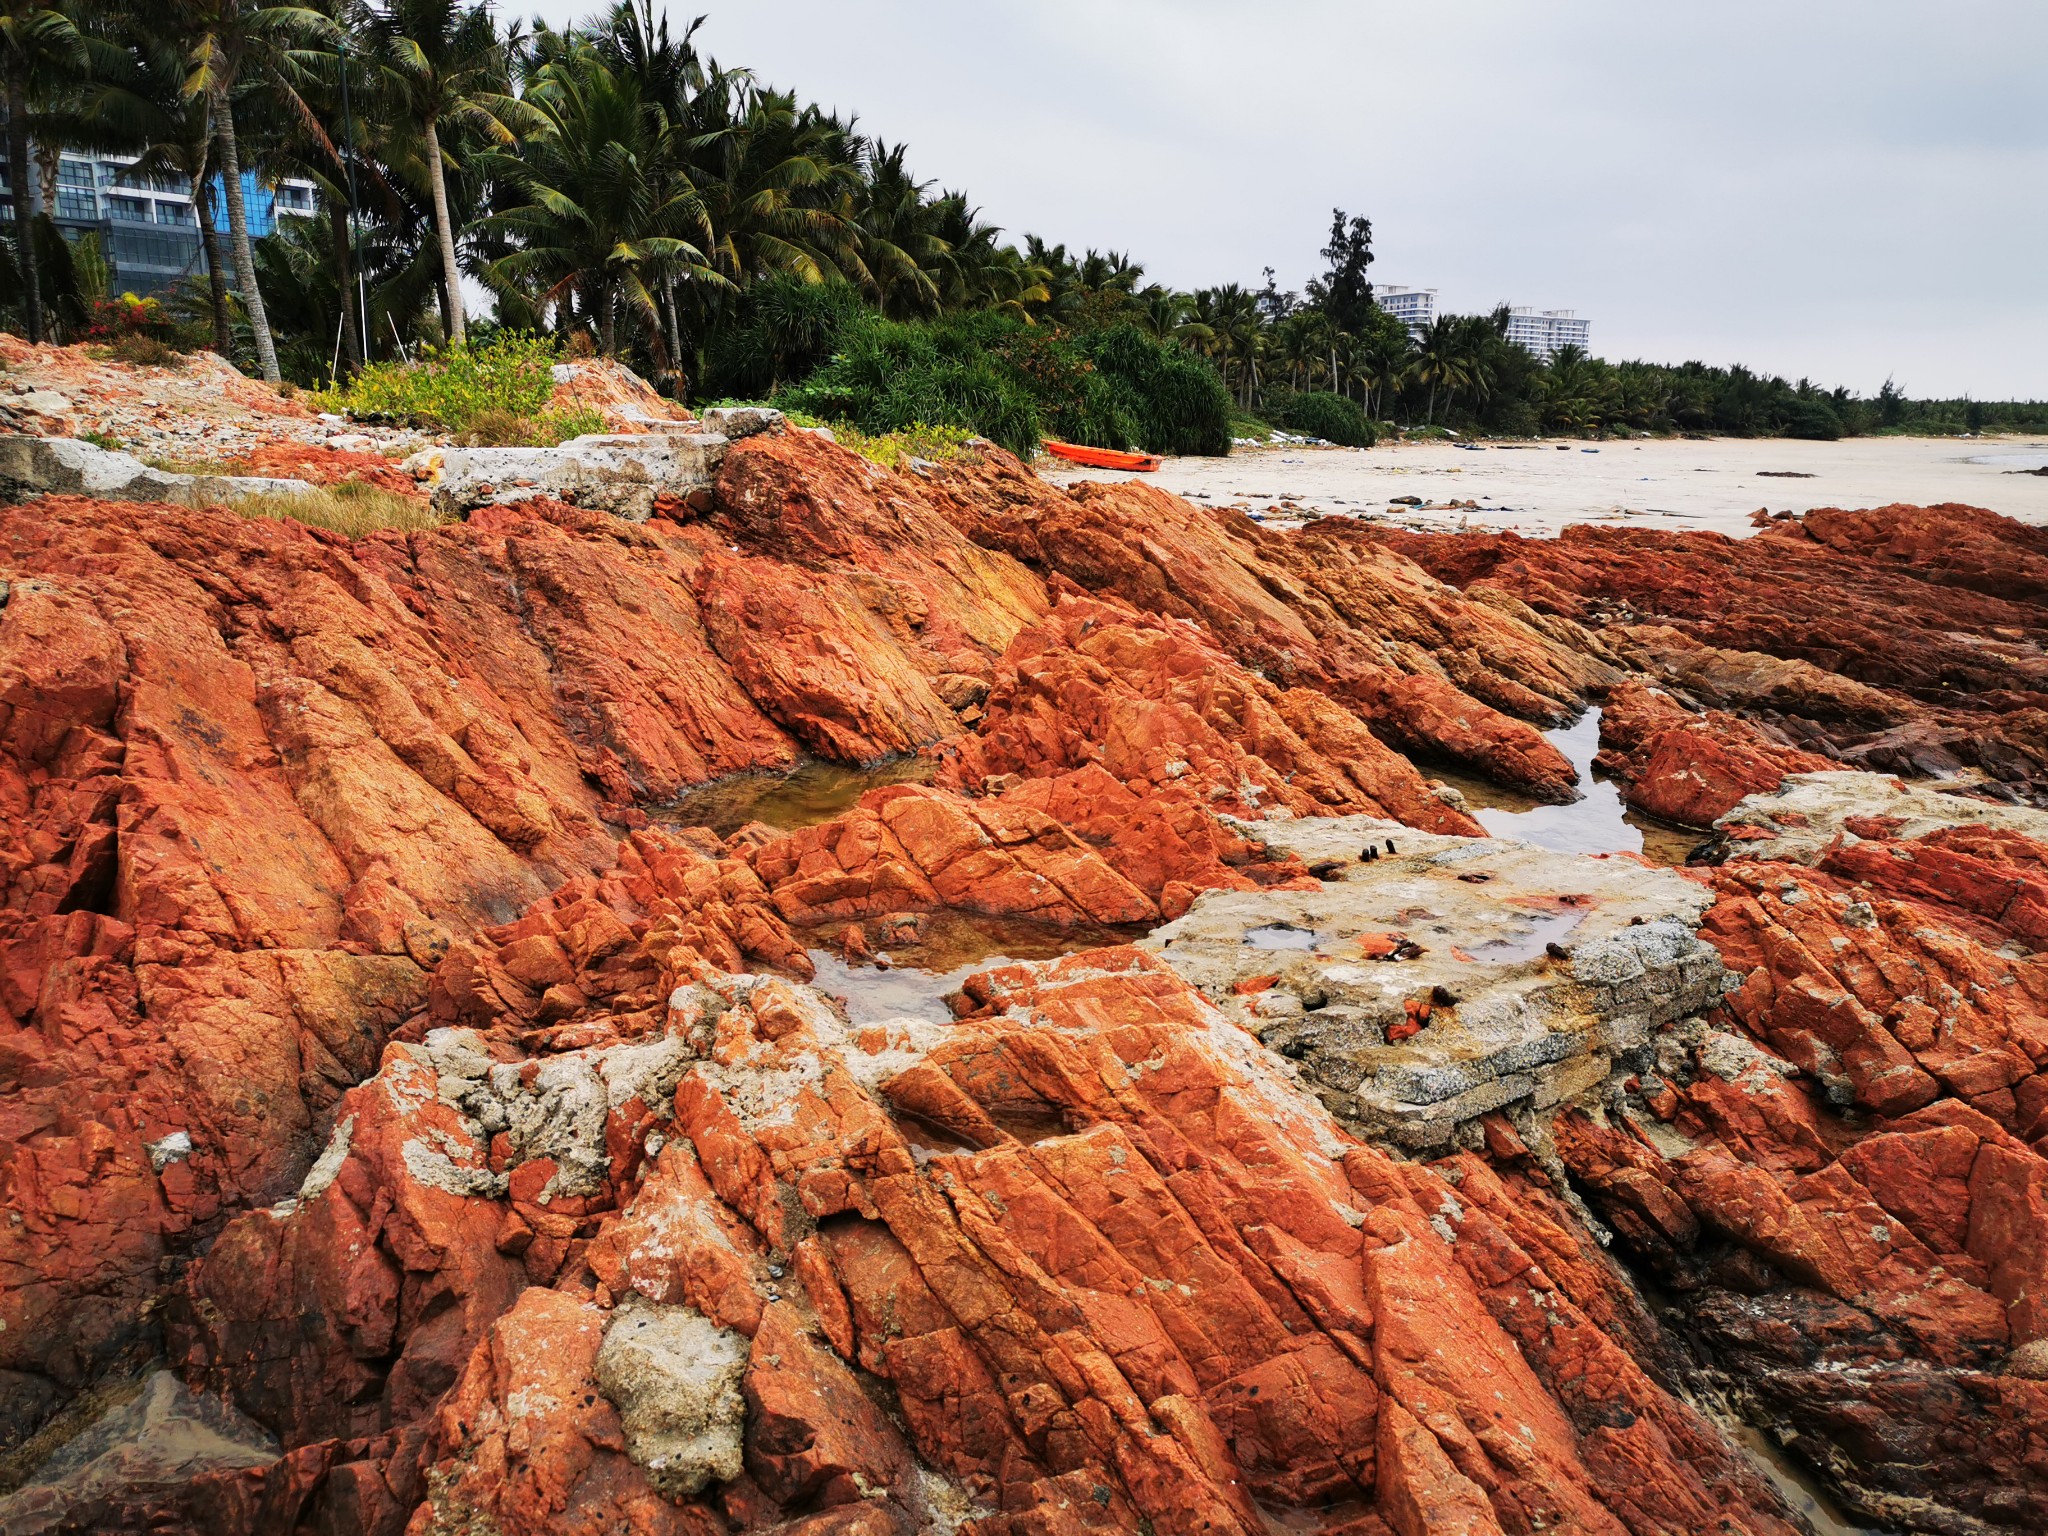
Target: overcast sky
(1840,188)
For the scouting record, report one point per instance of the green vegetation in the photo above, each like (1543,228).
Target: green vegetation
(895,450)
(617,191)
(352,509)
(492,393)
(1334,418)
(449,387)
(105,440)
(1015,383)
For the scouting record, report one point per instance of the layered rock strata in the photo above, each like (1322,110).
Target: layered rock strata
(1429,981)
(260,782)
(1901,639)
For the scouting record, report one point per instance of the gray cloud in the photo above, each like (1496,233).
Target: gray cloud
(1840,188)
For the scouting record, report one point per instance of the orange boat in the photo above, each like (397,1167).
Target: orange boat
(1102,458)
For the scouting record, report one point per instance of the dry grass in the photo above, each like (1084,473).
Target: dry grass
(351,509)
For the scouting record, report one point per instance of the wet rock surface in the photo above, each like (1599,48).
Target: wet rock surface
(367,1056)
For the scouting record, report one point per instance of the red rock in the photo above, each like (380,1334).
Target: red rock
(1689,769)
(1918,610)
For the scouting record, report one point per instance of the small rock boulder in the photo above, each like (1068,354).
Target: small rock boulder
(674,1375)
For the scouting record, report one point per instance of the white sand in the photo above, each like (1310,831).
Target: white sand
(1538,489)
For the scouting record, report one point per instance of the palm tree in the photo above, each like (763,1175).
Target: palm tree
(137,103)
(1443,359)
(450,70)
(1231,314)
(768,178)
(608,213)
(261,48)
(1384,363)
(899,250)
(978,271)
(35,40)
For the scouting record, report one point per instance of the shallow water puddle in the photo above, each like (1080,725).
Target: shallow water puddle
(811,793)
(1596,823)
(1545,929)
(1795,1484)
(1282,936)
(951,947)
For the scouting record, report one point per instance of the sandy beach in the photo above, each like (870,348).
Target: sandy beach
(1712,483)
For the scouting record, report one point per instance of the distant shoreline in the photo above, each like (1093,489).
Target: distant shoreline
(1542,486)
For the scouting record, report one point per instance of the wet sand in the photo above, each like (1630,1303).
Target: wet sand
(1711,483)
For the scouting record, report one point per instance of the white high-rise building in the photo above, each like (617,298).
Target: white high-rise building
(1413,307)
(1543,331)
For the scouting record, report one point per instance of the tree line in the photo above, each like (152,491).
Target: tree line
(614,186)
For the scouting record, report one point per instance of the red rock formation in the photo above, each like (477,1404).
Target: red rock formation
(1434,674)
(309,843)
(258,779)
(1112,1267)
(1937,611)
(1686,768)
(1900,1247)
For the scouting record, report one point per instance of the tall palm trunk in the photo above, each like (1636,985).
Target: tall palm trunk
(673,326)
(238,233)
(344,262)
(24,203)
(216,280)
(451,275)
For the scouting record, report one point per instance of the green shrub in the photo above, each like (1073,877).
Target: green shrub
(506,429)
(105,440)
(1017,384)
(890,376)
(893,450)
(447,389)
(1811,419)
(1177,401)
(779,331)
(138,350)
(1333,418)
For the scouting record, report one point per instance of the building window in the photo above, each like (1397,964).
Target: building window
(119,207)
(77,203)
(174,213)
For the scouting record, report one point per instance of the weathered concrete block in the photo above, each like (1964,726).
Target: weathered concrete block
(67,466)
(1519,987)
(622,474)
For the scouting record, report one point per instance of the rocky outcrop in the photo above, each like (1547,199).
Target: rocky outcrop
(1435,675)
(366,1051)
(260,782)
(1840,1176)
(1686,768)
(1906,639)
(1089,1306)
